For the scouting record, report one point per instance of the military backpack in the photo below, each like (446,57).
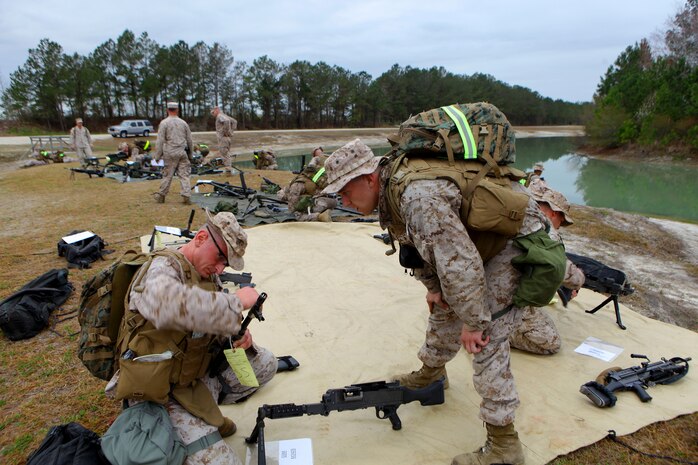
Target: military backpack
(470,145)
(100,311)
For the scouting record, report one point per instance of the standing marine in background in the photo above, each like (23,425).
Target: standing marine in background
(81,141)
(225,127)
(174,146)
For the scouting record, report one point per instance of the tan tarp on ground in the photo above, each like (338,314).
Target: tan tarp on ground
(350,314)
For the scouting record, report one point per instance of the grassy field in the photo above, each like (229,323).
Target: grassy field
(42,383)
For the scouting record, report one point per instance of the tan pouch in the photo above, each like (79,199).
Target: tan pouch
(496,209)
(144,380)
(193,363)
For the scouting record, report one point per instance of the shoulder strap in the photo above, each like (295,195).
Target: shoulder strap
(203,442)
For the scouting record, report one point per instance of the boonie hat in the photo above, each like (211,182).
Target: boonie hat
(234,236)
(538,167)
(348,162)
(172,105)
(557,202)
(78,120)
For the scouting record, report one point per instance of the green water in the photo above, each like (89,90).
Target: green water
(656,190)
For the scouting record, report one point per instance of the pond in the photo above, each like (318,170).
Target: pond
(656,190)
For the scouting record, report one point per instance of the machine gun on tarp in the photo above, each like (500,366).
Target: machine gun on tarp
(227,189)
(602,279)
(383,396)
(637,379)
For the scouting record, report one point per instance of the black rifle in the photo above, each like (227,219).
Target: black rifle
(243,279)
(89,172)
(637,379)
(385,237)
(602,279)
(276,200)
(218,363)
(383,396)
(220,188)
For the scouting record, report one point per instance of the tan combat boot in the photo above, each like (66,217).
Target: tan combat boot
(324,217)
(423,377)
(186,200)
(502,447)
(159,198)
(228,427)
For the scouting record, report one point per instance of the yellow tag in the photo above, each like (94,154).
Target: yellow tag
(237,358)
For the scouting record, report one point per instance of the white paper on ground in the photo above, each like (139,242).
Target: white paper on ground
(169,230)
(287,452)
(78,237)
(597,348)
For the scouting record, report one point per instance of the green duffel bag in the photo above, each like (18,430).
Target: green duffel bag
(144,434)
(542,267)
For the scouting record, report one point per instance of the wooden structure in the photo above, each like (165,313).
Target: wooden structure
(50,143)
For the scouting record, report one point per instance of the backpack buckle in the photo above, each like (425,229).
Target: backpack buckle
(483,129)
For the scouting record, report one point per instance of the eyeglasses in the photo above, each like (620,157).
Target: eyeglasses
(220,251)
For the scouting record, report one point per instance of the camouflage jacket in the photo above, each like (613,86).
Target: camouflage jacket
(452,264)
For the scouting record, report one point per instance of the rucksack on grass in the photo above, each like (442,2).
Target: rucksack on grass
(101,310)
(26,312)
(69,444)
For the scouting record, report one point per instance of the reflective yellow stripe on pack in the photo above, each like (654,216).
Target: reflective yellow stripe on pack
(147,144)
(319,173)
(469,146)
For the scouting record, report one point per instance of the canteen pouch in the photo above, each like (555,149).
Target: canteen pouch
(144,380)
(496,209)
(542,265)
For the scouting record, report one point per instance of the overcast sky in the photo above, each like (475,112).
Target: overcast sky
(555,47)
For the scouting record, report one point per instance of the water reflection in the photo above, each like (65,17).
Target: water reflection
(630,186)
(663,190)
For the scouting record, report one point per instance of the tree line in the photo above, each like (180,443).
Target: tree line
(649,96)
(133,76)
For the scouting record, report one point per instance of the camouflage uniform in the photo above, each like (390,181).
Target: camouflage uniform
(302,194)
(225,127)
(174,139)
(265,160)
(81,140)
(166,300)
(473,290)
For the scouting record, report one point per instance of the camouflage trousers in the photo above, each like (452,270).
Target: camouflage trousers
(492,376)
(82,153)
(176,163)
(224,153)
(537,333)
(191,428)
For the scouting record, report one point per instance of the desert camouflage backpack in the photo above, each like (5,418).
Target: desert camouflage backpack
(100,311)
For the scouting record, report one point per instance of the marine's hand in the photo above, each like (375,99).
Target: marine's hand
(248,296)
(245,342)
(435,298)
(473,341)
